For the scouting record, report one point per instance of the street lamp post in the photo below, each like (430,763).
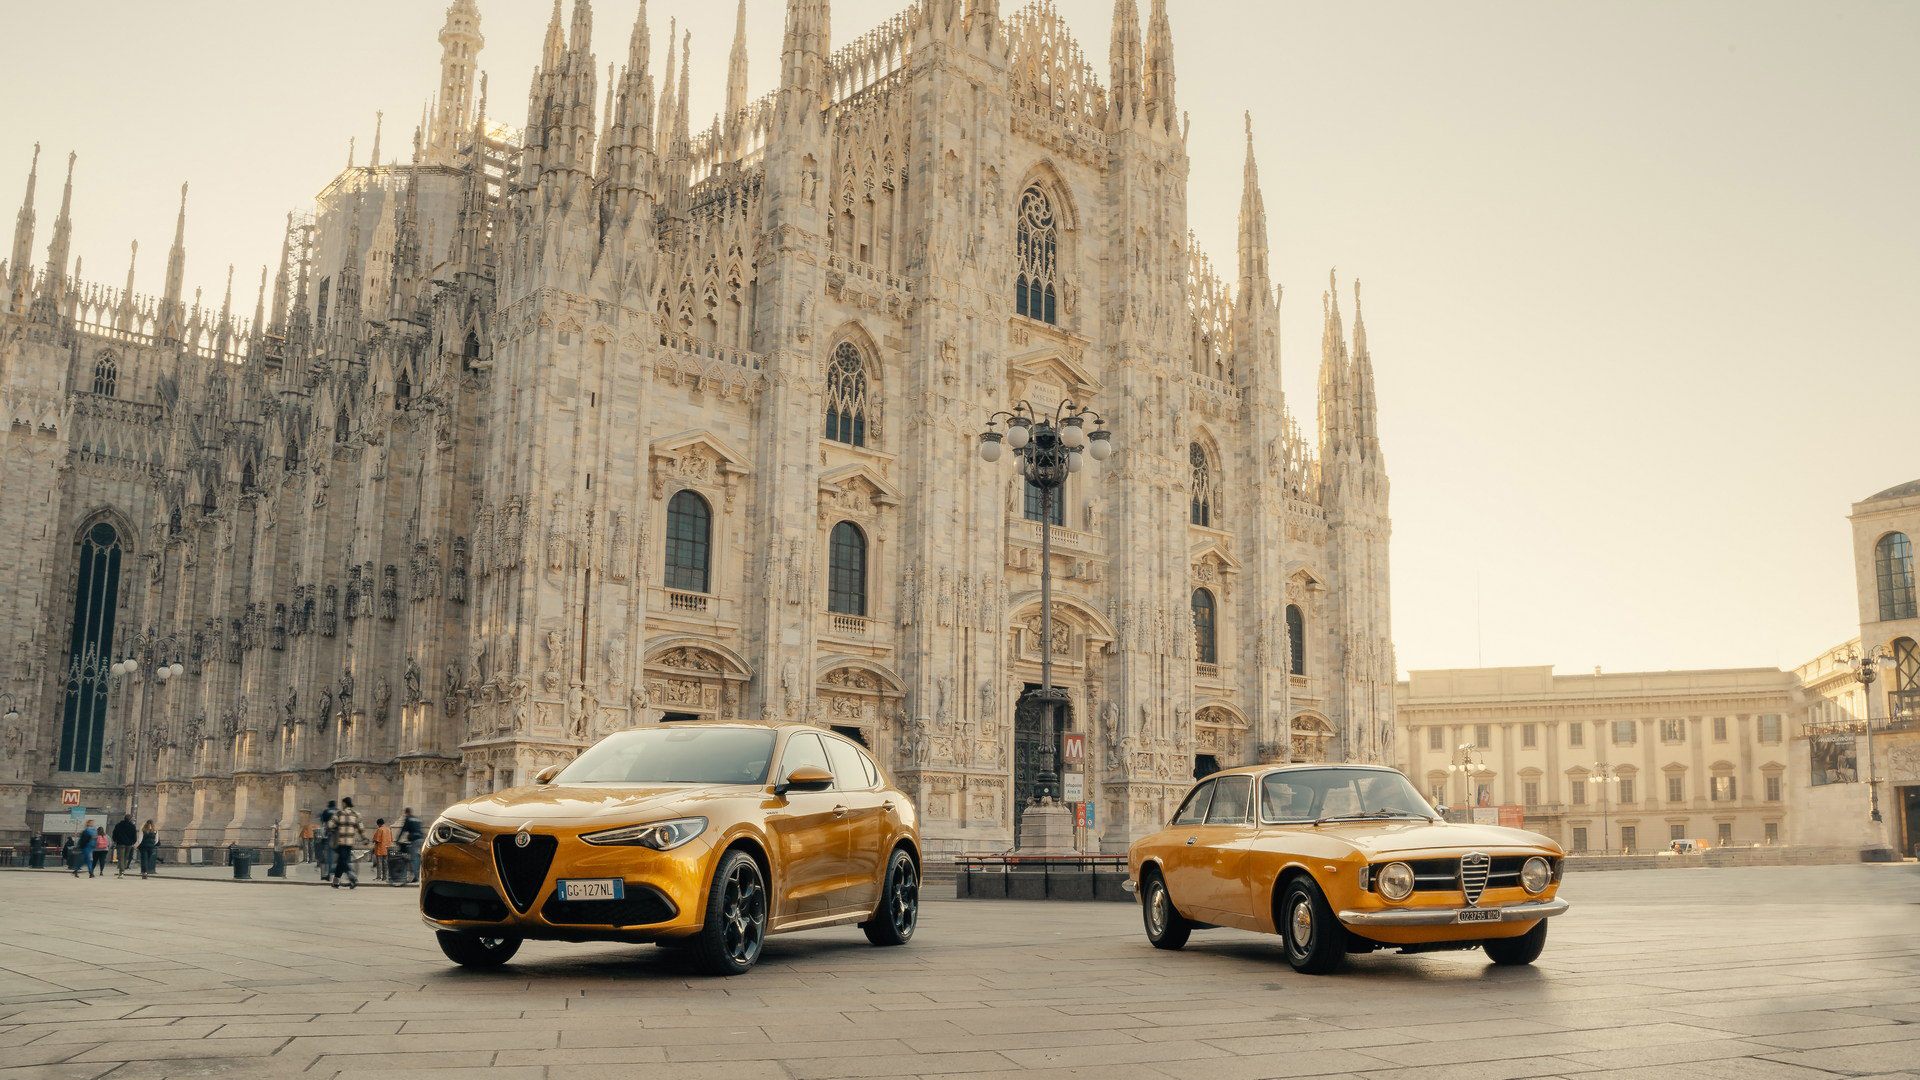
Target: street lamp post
(1603,776)
(157,675)
(1468,759)
(1047,447)
(1863,670)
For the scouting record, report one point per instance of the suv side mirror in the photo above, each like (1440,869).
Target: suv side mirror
(546,775)
(805,778)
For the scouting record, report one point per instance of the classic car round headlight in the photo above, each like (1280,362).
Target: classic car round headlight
(1396,881)
(1535,875)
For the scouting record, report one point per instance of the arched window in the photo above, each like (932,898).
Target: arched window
(402,389)
(246,477)
(341,425)
(470,351)
(1205,506)
(1036,505)
(1297,640)
(1205,644)
(1906,665)
(209,498)
(96,598)
(1893,570)
(689,542)
(849,407)
(847,570)
(1037,248)
(105,374)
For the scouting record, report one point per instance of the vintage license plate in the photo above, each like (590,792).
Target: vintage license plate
(593,889)
(1473,914)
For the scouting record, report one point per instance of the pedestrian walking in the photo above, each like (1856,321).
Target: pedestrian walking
(326,839)
(149,849)
(102,851)
(412,834)
(382,847)
(83,849)
(345,829)
(125,835)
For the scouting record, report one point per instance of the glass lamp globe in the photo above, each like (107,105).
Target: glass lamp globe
(1017,433)
(990,446)
(179,669)
(1102,445)
(1074,463)
(1072,436)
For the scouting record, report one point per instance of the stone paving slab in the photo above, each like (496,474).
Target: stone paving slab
(1763,973)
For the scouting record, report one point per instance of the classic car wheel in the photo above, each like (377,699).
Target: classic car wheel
(1165,928)
(1514,951)
(475,951)
(1316,943)
(736,917)
(899,911)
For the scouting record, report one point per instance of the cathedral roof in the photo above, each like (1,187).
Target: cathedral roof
(1898,491)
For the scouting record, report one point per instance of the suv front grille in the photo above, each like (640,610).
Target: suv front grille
(523,870)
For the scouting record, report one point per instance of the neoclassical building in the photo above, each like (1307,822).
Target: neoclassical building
(609,420)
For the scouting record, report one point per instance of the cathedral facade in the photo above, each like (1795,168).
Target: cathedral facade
(607,421)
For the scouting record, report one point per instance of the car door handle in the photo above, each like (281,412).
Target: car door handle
(1191,839)
(887,806)
(840,811)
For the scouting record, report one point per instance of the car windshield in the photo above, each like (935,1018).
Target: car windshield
(1326,794)
(675,754)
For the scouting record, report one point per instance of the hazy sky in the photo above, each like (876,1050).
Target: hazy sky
(1640,277)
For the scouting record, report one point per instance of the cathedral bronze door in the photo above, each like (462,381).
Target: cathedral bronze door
(1030,743)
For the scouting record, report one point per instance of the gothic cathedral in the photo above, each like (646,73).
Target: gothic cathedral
(607,421)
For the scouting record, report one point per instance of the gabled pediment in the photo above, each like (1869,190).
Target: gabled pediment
(1051,365)
(701,441)
(859,481)
(1213,552)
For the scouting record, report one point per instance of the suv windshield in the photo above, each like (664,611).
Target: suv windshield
(675,754)
(1321,794)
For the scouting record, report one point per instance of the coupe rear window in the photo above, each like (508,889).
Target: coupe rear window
(678,754)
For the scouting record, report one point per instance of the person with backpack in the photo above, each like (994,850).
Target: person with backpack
(102,851)
(83,849)
(125,835)
(412,835)
(345,829)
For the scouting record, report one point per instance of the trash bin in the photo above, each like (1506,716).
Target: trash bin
(242,860)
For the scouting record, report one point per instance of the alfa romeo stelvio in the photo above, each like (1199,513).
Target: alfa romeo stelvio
(697,835)
(1341,859)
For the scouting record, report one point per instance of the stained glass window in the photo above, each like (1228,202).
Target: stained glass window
(1205,646)
(1297,640)
(1206,495)
(90,649)
(849,408)
(847,570)
(105,375)
(1037,247)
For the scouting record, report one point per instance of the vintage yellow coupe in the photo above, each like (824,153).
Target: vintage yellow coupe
(1341,859)
(704,836)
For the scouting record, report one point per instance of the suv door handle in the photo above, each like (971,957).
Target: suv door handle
(887,806)
(840,811)
(1191,839)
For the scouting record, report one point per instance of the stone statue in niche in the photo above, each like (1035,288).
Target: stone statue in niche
(557,540)
(410,678)
(382,701)
(291,708)
(324,714)
(620,553)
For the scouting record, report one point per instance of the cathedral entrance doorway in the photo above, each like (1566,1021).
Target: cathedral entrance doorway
(1030,743)
(1205,765)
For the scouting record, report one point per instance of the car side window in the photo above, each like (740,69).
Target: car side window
(872,770)
(1230,795)
(1194,810)
(848,774)
(803,749)
(1284,800)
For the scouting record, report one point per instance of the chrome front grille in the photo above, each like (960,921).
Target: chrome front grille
(1475,867)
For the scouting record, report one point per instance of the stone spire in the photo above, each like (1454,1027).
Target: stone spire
(1336,404)
(737,82)
(379,119)
(22,262)
(1365,406)
(62,243)
(1125,57)
(803,53)
(555,46)
(281,277)
(1253,227)
(170,299)
(1159,95)
(627,154)
(460,45)
(678,173)
(663,131)
(224,332)
(124,319)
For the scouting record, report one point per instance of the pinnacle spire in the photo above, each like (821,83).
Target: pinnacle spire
(176,261)
(125,318)
(379,118)
(1159,97)
(62,243)
(23,224)
(663,131)
(803,54)
(1125,57)
(1336,401)
(555,46)
(1253,225)
(460,45)
(737,80)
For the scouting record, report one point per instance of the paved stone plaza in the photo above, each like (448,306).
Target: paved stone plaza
(1776,972)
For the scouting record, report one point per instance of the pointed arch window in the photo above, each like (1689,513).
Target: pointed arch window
(96,598)
(850,411)
(105,375)
(1296,640)
(1037,248)
(847,570)
(1893,572)
(1205,506)
(470,351)
(402,389)
(1205,642)
(689,542)
(246,477)
(341,424)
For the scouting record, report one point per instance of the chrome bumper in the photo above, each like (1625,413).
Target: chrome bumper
(1521,912)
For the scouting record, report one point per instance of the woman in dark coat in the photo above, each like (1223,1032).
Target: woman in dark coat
(149,849)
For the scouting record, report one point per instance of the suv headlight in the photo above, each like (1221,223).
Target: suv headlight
(449,831)
(658,835)
(1535,874)
(1396,881)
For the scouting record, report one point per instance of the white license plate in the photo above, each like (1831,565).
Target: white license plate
(593,889)
(1473,914)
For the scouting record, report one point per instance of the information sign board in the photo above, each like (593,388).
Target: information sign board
(1073,747)
(70,796)
(1073,787)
